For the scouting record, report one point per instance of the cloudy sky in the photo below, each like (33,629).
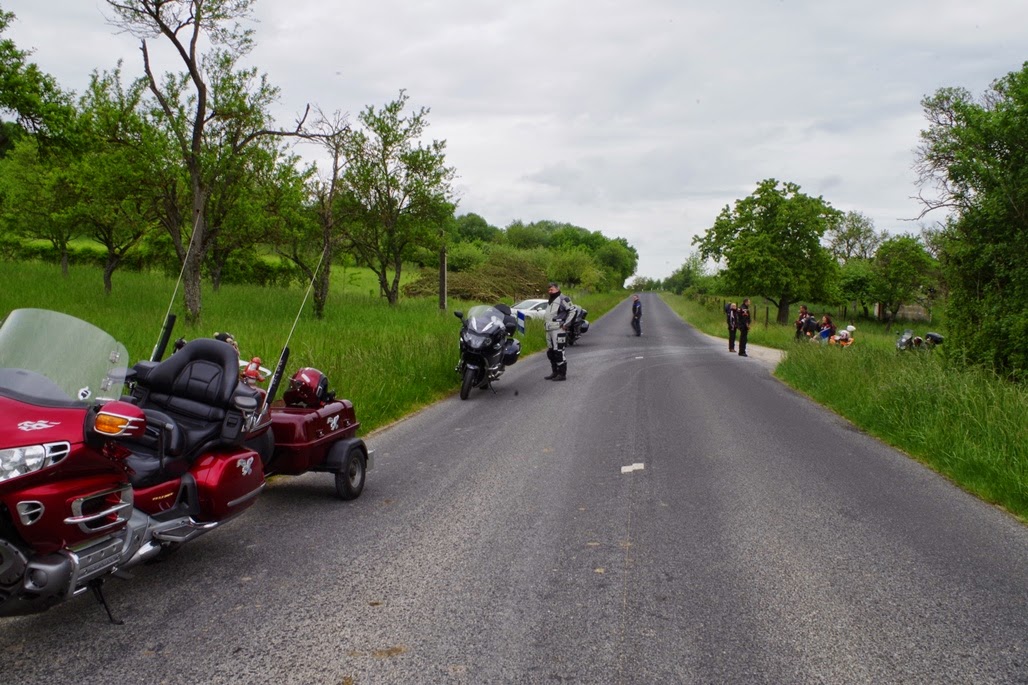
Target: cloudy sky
(636,118)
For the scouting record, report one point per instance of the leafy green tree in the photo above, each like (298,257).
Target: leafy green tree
(473,228)
(400,189)
(114,198)
(464,257)
(575,268)
(35,98)
(854,237)
(973,163)
(771,242)
(643,283)
(39,196)
(686,276)
(902,273)
(618,260)
(526,236)
(856,278)
(214,109)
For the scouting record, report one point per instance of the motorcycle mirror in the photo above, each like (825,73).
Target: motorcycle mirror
(459,314)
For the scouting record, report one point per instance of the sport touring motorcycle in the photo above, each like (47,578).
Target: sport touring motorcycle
(486,346)
(94,481)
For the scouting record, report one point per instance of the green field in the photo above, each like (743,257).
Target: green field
(389,361)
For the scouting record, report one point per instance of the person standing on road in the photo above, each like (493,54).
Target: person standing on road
(558,312)
(742,317)
(731,313)
(637,315)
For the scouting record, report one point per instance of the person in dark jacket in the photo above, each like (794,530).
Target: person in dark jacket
(732,318)
(743,324)
(637,315)
(801,320)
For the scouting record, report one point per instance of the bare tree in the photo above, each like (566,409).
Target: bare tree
(189,107)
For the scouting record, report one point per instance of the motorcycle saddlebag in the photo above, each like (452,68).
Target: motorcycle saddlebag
(511,351)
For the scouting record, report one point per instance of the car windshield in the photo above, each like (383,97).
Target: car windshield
(54,359)
(527,304)
(484,318)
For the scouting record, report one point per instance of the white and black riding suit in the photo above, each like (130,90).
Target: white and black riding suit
(560,312)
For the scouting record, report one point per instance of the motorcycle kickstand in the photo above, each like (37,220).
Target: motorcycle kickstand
(97,587)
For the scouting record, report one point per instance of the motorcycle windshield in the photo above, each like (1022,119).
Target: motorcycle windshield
(53,359)
(484,319)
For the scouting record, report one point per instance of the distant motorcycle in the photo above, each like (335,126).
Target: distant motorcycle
(578,325)
(486,346)
(909,341)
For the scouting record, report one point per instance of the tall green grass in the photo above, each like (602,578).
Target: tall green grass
(389,361)
(963,423)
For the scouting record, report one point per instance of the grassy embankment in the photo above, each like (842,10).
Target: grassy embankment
(389,361)
(965,424)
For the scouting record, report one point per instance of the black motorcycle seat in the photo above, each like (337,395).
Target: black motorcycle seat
(194,389)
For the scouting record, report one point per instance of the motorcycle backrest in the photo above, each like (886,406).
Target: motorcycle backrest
(204,373)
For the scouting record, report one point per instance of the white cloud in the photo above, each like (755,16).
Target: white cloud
(638,118)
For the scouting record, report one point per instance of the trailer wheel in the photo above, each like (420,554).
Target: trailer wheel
(350,479)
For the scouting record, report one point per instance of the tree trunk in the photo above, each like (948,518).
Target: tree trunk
(192,270)
(322,282)
(64,261)
(109,267)
(442,277)
(783,310)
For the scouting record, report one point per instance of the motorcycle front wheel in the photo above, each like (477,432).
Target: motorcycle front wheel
(467,382)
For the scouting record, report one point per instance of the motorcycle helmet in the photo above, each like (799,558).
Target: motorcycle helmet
(307,388)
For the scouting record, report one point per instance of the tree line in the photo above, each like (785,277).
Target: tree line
(972,160)
(188,168)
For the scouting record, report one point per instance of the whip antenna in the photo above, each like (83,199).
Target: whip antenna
(276,377)
(169,318)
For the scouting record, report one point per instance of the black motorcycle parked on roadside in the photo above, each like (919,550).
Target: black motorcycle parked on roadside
(486,346)
(908,341)
(578,325)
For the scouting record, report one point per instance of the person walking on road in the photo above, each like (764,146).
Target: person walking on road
(731,314)
(637,315)
(557,314)
(743,324)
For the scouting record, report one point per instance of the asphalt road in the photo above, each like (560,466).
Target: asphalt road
(670,514)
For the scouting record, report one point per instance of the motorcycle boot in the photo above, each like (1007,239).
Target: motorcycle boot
(553,367)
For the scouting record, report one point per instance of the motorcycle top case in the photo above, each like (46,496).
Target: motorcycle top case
(511,351)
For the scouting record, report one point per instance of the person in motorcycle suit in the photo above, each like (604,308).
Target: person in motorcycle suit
(558,313)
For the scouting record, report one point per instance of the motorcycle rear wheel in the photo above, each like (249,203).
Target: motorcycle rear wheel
(467,383)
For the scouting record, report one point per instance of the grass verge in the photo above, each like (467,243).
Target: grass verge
(963,423)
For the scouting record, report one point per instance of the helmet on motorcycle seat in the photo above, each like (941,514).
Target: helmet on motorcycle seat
(308,388)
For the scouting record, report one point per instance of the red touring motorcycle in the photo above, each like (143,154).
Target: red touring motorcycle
(94,481)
